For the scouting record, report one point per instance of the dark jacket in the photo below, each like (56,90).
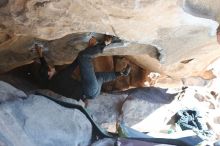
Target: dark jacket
(43,77)
(62,82)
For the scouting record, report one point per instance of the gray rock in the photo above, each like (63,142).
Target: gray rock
(133,106)
(56,96)
(105,109)
(141,102)
(8,92)
(37,121)
(104,142)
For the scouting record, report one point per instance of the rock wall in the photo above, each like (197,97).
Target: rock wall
(177,30)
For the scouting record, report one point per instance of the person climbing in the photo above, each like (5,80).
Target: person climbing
(91,82)
(218,34)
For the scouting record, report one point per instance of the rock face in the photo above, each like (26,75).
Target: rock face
(37,121)
(104,142)
(55,19)
(131,106)
(105,110)
(172,29)
(8,92)
(142,102)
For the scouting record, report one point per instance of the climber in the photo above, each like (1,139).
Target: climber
(90,84)
(218,34)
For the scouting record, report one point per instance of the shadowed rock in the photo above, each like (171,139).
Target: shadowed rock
(3,3)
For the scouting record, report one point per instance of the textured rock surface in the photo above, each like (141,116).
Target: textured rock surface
(132,106)
(143,102)
(8,92)
(104,142)
(38,121)
(55,19)
(174,28)
(150,109)
(105,110)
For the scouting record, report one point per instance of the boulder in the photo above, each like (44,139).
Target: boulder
(8,92)
(38,121)
(131,106)
(105,110)
(142,102)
